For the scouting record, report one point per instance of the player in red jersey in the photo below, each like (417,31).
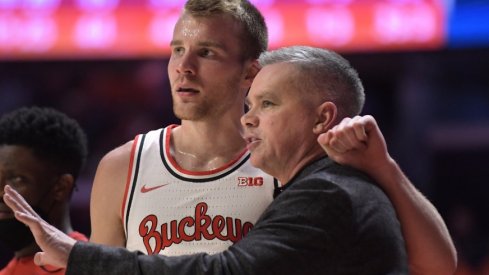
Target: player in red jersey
(41,154)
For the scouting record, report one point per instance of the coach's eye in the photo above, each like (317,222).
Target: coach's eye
(266,103)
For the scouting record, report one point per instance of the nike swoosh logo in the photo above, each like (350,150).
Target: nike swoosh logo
(145,190)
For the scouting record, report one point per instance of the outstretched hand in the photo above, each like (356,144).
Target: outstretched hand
(55,245)
(357,142)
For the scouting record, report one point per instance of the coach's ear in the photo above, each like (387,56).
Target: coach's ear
(325,117)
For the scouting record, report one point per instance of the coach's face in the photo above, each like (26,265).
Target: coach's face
(279,127)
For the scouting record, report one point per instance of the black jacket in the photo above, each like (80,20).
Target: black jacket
(331,219)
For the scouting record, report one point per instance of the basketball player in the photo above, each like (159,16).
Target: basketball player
(41,154)
(190,188)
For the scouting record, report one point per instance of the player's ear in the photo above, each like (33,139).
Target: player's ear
(325,117)
(63,187)
(252,69)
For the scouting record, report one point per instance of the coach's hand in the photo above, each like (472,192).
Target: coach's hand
(357,142)
(55,245)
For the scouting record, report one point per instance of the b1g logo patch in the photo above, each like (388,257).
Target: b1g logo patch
(250,181)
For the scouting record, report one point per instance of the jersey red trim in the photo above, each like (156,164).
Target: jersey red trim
(129,176)
(195,173)
(78,236)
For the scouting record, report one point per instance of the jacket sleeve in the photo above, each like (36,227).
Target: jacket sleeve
(304,231)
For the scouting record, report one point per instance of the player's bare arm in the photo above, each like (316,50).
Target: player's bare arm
(107,195)
(358,142)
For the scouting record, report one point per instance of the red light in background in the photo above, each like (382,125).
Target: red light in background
(275,24)
(161,29)
(95,31)
(331,26)
(113,28)
(401,24)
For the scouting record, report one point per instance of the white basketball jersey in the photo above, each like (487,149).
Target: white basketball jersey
(173,211)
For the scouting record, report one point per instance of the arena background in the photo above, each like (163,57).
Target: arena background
(424,64)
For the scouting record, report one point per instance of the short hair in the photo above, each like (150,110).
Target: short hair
(254,39)
(50,134)
(323,71)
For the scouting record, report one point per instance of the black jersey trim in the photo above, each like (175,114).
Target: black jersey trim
(277,188)
(169,168)
(133,185)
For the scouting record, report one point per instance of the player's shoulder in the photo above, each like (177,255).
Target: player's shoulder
(121,152)
(118,158)
(112,168)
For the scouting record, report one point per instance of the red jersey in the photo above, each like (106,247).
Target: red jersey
(26,265)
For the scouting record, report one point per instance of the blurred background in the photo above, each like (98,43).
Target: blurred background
(424,63)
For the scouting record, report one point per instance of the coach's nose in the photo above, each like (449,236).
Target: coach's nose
(250,119)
